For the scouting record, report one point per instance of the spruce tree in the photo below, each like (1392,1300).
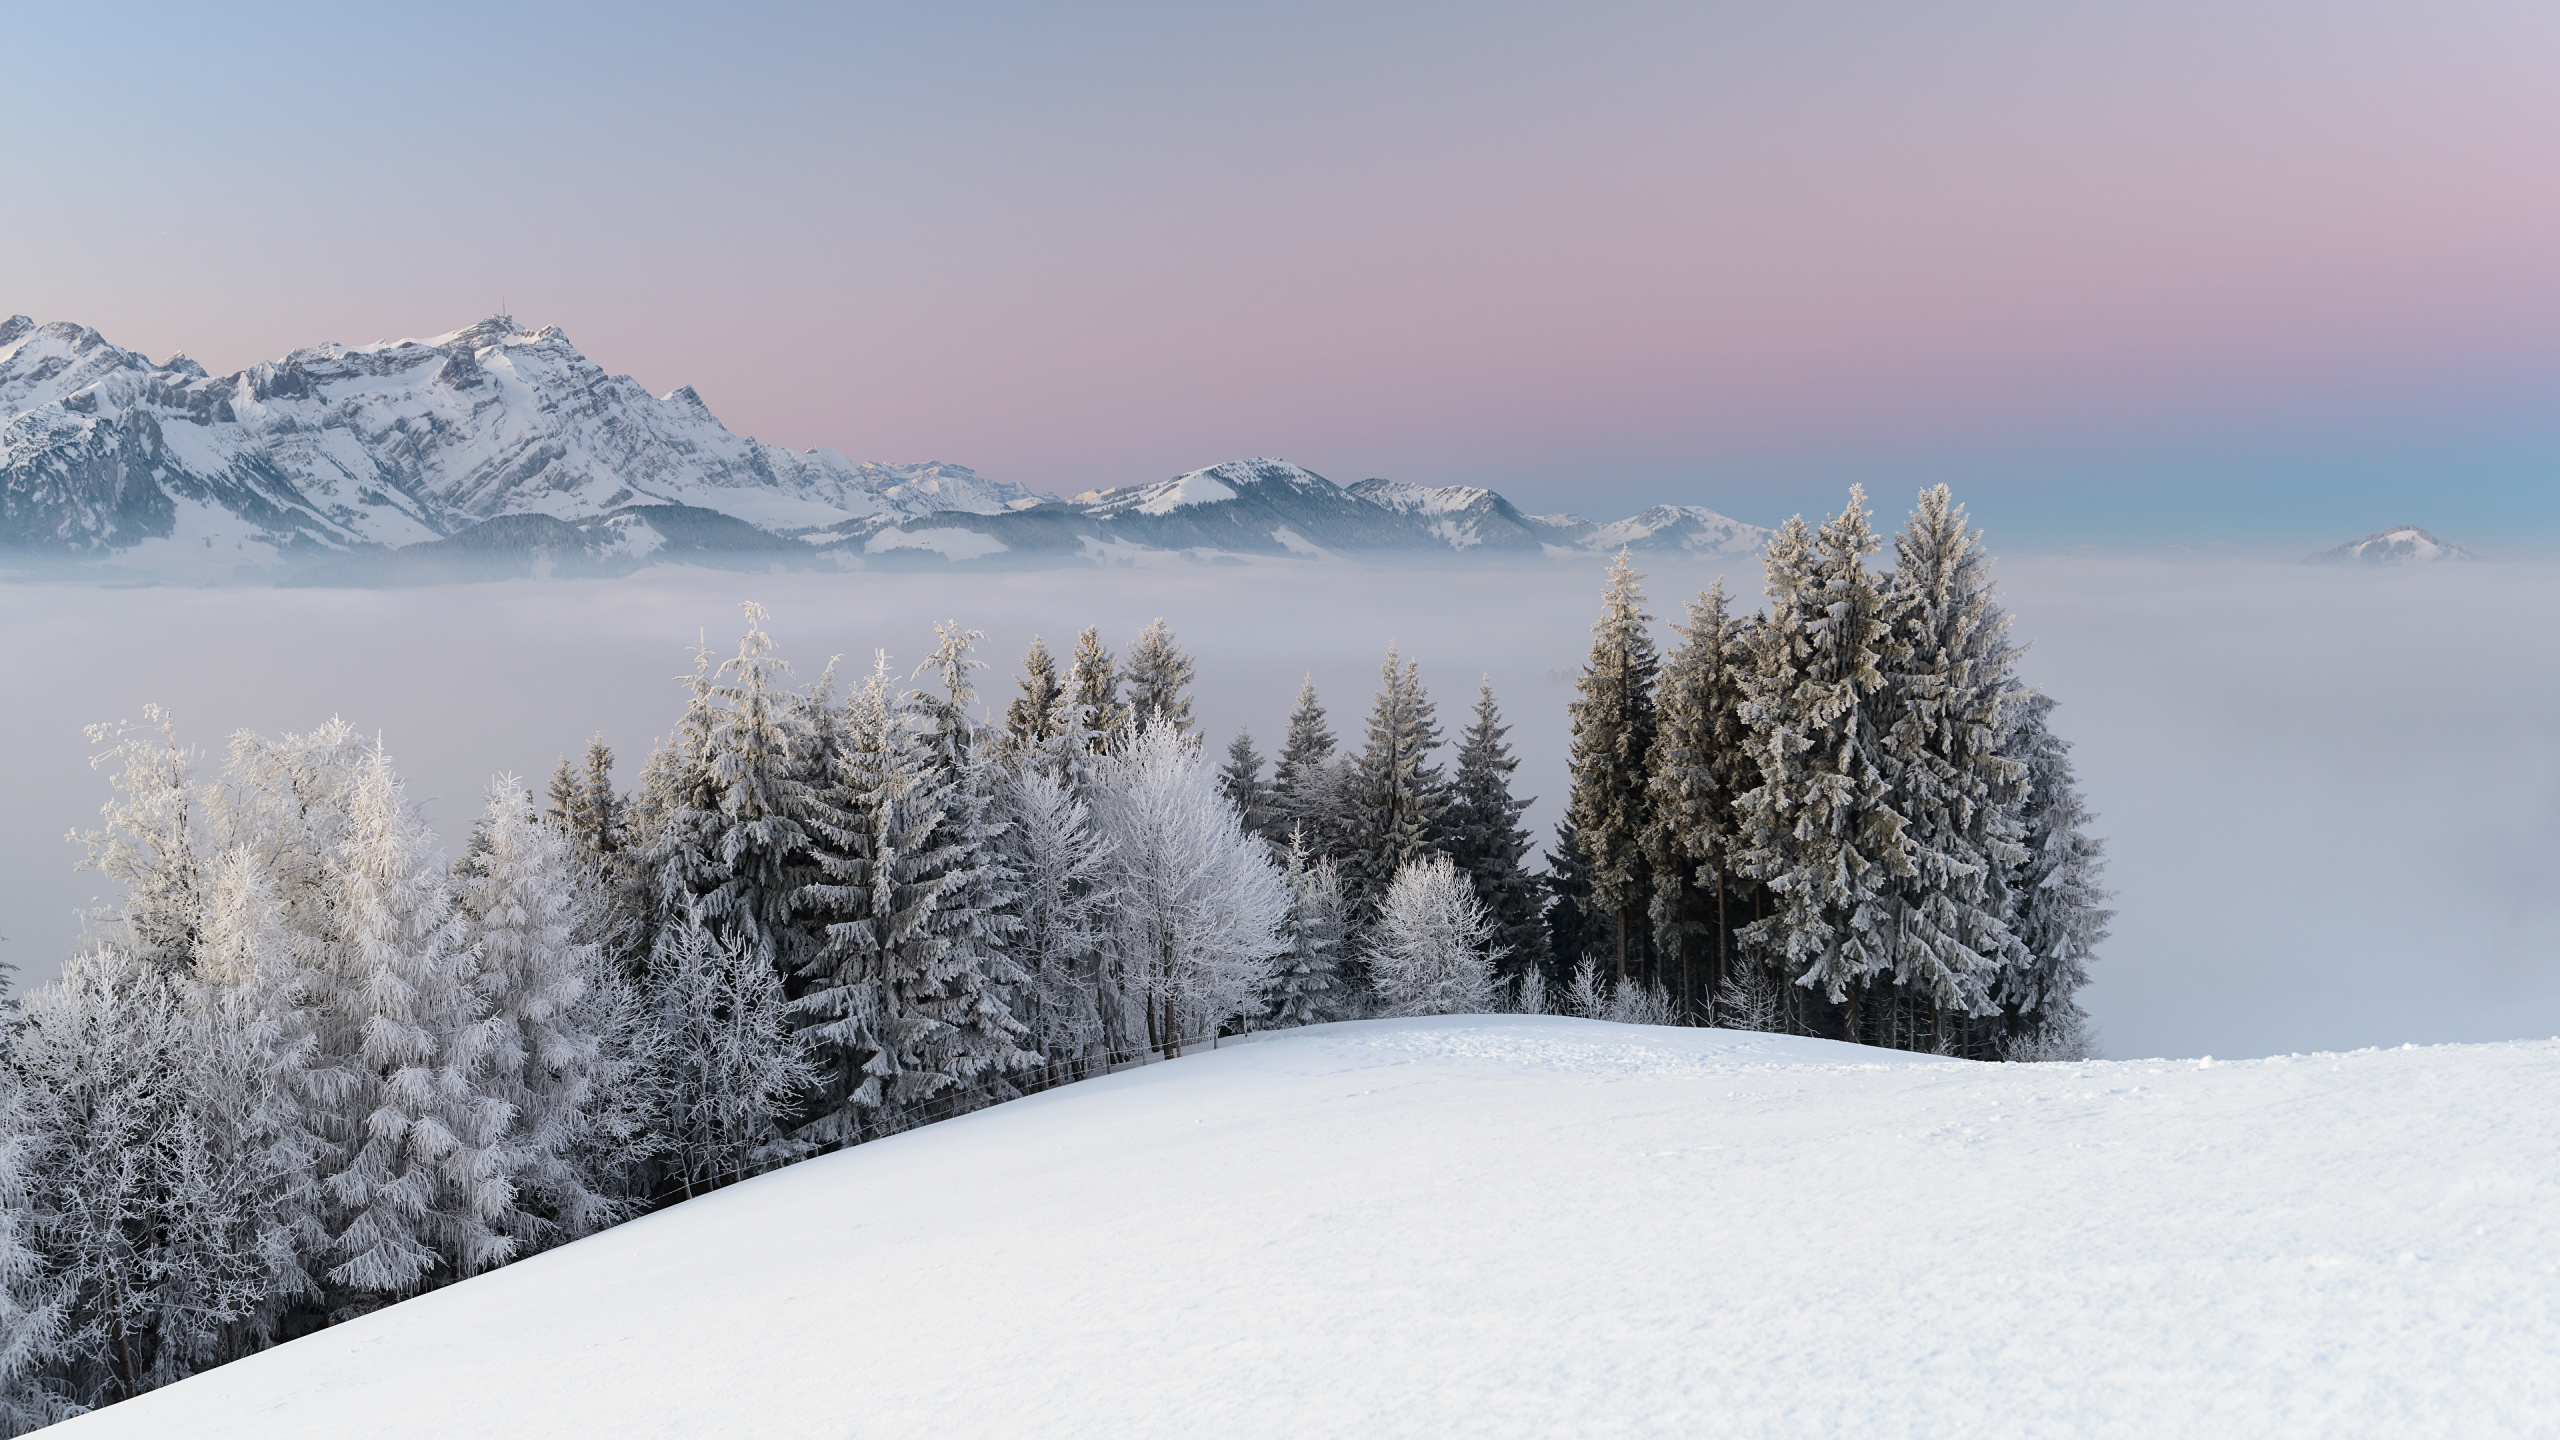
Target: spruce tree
(1613,729)
(1398,794)
(584,806)
(1306,790)
(1093,688)
(1697,766)
(1241,778)
(1033,717)
(1575,932)
(1159,676)
(1483,836)
(1306,985)
(2057,889)
(1947,706)
(1818,827)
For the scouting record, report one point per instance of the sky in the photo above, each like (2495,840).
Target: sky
(2265,276)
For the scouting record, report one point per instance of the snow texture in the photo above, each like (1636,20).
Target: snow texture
(2399,545)
(1538,1226)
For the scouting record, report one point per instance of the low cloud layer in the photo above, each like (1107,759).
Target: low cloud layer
(2332,799)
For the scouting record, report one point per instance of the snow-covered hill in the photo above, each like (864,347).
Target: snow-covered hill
(2399,545)
(1542,1227)
(350,447)
(1273,507)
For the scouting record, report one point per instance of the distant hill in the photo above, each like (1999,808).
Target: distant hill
(2399,545)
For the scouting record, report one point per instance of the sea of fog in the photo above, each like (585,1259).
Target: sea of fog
(2331,798)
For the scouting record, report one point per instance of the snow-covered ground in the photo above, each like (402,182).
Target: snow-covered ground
(1543,1227)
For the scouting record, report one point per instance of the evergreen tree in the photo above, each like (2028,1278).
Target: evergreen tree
(1306,977)
(1695,770)
(1432,950)
(1575,932)
(1483,835)
(1093,688)
(1398,795)
(2058,889)
(1034,716)
(148,844)
(754,832)
(542,1059)
(1061,868)
(1241,779)
(584,806)
(1160,678)
(1308,784)
(1818,828)
(1613,730)
(1946,708)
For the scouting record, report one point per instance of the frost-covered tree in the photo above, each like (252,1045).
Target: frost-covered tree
(1034,716)
(743,855)
(1306,978)
(154,1218)
(901,1003)
(1432,950)
(148,844)
(1398,794)
(2058,889)
(1697,766)
(584,805)
(542,1060)
(1818,828)
(1093,688)
(1482,834)
(1201,905)
(1613,729)
(722,1049)
(1947,705)
(1241,779)
(1060,867)
(33,1313)
(1159,676)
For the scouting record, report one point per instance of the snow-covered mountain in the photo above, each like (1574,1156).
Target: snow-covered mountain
(337,447)
(1272,507)
(2399,545)
(1522,1225)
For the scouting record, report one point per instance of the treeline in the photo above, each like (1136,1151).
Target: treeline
(313,1064)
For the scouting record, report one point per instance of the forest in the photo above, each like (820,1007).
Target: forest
(313,1063)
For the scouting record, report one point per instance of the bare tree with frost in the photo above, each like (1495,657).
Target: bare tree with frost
(1432,951)
(1201,905)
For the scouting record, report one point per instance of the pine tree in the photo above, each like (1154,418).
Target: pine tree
(1818,828)
(1946,708)
(901,1002)
(1307,790)
(1697,766)
(1613,730)
(1575,932)
(1093,688)
(1483,835)
(1398,796)
(542,1059)
(755,834)
(1432,950)
(1034,716)
(584,806)
(1060,867)
(1241,779)
(2058,890)
(1159,678)
(1306,977)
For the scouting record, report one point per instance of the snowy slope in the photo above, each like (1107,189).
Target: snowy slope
(2399,545)
(1464,517)
(337,447)
(1541,1227)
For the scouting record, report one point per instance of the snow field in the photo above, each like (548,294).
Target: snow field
(1540,1227)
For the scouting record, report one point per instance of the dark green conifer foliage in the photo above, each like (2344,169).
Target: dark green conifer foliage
(1034,715)
(1613,730)
(1483,836)
(1241,779)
